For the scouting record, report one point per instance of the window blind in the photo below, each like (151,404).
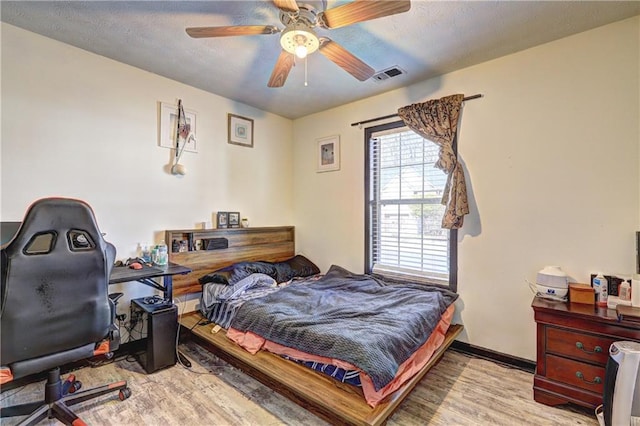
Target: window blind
(405,213)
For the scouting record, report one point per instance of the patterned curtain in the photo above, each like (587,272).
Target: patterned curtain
(437,120)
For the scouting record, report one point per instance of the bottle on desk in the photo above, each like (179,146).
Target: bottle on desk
(161,254)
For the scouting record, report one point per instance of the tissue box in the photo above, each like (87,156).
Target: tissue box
(582,293)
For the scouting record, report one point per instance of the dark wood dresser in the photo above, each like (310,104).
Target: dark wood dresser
(572,350)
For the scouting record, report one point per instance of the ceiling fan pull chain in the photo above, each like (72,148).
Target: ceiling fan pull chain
(305,71)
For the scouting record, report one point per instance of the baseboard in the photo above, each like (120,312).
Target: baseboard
(509,360)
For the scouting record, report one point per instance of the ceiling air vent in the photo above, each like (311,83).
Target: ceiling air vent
(388,73)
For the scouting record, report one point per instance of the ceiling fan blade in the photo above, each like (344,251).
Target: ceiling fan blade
(281,70)
(345,60)
(237,30)
(286,5)
(362,10)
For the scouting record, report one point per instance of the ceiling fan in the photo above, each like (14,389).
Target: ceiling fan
(298,38)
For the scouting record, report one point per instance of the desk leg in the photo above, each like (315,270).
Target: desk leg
(168,295)
(168,287)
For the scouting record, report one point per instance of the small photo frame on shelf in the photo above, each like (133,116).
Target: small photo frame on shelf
(240,130)
(234,220)
(328,154)
(168,128)
(222,220)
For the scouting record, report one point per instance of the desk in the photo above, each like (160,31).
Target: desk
(146,275)
(122,274)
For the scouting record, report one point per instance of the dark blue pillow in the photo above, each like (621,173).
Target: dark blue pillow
(297,266)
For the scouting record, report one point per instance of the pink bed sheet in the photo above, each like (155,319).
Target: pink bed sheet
(253,343)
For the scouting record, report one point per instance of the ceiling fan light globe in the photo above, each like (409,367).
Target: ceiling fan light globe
(301,52)
(293,38)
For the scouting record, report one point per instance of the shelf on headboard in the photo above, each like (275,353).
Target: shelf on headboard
(271,244)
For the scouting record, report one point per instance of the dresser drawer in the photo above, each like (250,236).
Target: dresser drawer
(580,346)
(575,373)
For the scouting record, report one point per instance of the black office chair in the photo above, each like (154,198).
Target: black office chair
(54,305)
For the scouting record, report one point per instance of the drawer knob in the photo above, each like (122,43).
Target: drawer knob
(595,350)
(595,381)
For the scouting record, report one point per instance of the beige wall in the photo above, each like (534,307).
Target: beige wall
(80,125)
(551,153)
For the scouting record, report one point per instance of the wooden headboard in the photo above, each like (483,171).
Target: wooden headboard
(271,244)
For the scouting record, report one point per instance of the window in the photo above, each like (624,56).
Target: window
(404,211)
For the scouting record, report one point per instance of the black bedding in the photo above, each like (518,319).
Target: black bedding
(297,266)
(359,319)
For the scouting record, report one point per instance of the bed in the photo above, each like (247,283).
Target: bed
(331,399)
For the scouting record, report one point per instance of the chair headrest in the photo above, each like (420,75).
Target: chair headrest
(59,215)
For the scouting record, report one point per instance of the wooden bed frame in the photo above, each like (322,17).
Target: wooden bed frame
(336,402)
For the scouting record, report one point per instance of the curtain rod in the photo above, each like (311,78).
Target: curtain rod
(468,98)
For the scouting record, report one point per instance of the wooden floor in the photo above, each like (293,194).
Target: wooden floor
(460,390)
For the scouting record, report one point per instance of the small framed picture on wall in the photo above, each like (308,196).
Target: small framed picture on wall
(328,154)
(168,129)
(240,130)
(222,220)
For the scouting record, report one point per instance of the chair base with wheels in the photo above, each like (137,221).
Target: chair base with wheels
(58,397)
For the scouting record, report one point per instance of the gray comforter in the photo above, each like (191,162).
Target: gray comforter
(359,319)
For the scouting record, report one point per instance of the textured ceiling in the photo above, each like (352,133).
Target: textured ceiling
(432,38)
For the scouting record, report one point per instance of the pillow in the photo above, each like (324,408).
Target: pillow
(297,266)
(221,276)
(244,269)
(233,273)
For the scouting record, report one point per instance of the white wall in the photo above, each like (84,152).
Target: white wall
(79,125)
(552,153)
